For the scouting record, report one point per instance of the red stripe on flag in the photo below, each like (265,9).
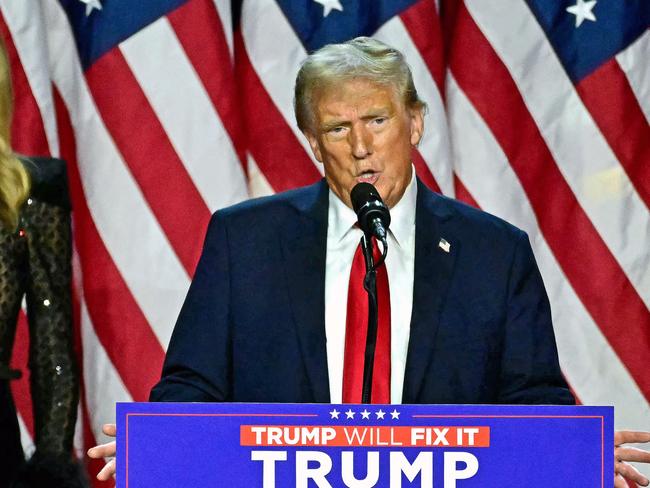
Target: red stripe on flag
(462,193)
(448,13)
(271,141)
(608,96)
(200,32)
(423,172)
(588,264)
(20,360)
(423,24)
(147,151)
(27,132)
(111,306)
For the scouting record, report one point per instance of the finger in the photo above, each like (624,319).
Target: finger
(631,473)
(109,429)
(630,436)
(102,450)
(107,471)
(632,454)
(619,482)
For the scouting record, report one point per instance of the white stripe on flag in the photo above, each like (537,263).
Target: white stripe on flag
(78,439)
(592,367)
(434,146)
(634,63)
(186,113)
(104,177)
(276,54)
(104,385)
(25,22)
(578,147)
(25,439)
(258,185)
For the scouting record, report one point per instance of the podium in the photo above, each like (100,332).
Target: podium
(237,445)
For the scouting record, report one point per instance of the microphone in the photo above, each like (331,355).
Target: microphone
(372,213)
(374,219)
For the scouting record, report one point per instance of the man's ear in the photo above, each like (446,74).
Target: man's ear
(417,125)
(315,147)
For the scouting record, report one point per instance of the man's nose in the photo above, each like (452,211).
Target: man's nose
(361,142)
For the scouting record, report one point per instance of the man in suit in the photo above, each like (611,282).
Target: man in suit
(262,299)
(267,315)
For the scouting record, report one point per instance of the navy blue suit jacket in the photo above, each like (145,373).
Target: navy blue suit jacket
(252,328)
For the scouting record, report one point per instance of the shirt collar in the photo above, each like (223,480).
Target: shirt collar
(402,215)
(342,218)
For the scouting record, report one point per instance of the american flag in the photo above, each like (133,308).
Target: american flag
(167,110)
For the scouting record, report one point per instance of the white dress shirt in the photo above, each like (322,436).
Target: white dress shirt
(342,241)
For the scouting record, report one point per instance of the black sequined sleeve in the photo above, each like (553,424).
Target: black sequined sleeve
(54,376)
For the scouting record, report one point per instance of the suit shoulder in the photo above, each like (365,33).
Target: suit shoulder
(49,180)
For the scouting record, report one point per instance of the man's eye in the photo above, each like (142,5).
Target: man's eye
(379,120)
(336,130)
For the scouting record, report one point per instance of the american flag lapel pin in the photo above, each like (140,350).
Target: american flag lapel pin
(444,245)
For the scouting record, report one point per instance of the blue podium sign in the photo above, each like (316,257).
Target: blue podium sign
(307,445)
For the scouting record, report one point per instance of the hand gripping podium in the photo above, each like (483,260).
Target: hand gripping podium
(246,445)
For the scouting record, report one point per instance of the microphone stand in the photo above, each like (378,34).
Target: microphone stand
(370,285)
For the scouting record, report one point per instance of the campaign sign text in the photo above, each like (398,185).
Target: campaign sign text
(251,445)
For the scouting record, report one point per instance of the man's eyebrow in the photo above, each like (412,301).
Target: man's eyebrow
(379,112)
(371,114)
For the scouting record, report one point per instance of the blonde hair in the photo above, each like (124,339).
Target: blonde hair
(362,57)
(14,179)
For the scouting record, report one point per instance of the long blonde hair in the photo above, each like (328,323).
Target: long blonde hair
(14,179)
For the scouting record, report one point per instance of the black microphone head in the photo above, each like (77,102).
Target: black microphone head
(368,206)
(363,193)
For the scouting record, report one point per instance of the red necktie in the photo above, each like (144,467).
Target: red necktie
(356,329)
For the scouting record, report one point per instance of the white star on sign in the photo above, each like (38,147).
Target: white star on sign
(380,414)
(365,414)
(335,414)
(91,5)
(329,5)
(583,10)
(394,414)
(350,413)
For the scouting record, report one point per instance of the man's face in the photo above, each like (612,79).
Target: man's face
(363,132)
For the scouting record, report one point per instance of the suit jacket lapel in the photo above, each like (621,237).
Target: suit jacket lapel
(304,246)
(433,271)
